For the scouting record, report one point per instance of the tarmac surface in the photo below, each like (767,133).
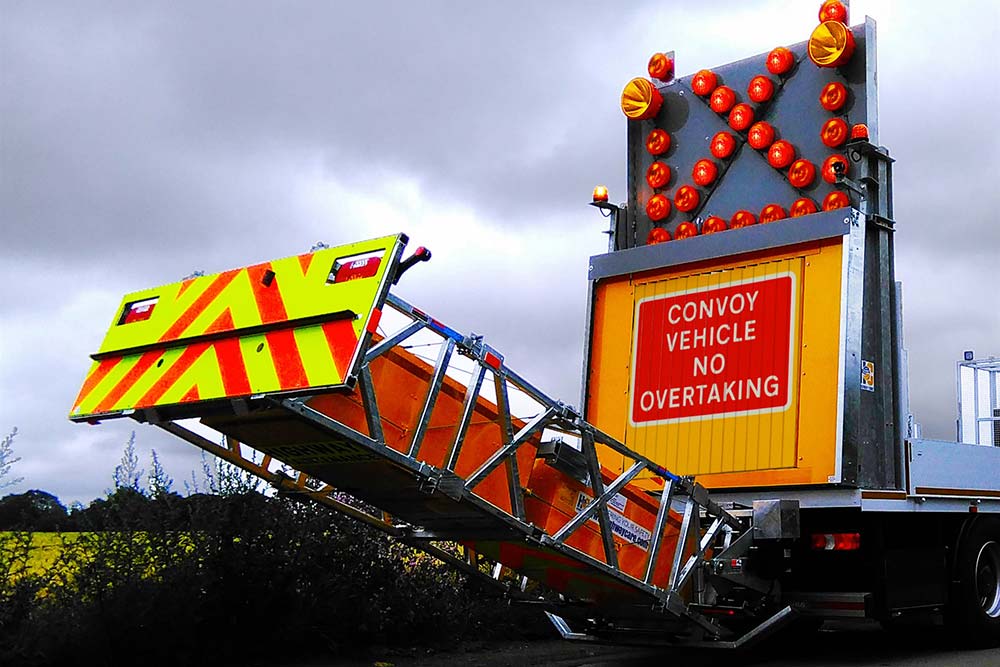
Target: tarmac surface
(836,645)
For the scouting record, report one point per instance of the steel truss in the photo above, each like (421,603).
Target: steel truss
(706,528)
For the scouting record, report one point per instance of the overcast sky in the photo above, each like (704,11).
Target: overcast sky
(140,141)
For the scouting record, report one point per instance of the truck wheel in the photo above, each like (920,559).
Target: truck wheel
(976,599)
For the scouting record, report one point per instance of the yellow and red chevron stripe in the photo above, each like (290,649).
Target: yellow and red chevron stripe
(279,326)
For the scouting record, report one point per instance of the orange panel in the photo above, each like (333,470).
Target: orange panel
(727,370)
(401,380)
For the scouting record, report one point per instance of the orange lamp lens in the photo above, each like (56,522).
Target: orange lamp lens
(713,224)
(831,44)
(761,89)
(661,67)
(658,207)
(658,142)
(657,175)
(703,82)
(802,173)
(761,135)
(834,132)
(723,145)
(836,199)
(859,131)
(741,117)
(685,230)
(829,172)
(641,100)
(704,172)
(834,96)
(657,235)
(833,10)
(781,154)
(801,207)
(780,61)
(600,193)
(686,199)
(722,100)
(742,219)
(772,212)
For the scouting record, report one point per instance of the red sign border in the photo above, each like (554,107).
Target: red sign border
(792,343)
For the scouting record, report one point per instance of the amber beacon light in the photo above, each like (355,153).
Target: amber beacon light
(640,99)
(831,44)
(600,193)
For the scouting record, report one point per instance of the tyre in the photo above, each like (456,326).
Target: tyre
(975,604)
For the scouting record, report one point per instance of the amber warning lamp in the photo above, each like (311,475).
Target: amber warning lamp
(831,44)
(640,99)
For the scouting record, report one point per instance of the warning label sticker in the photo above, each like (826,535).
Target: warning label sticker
(621,525)
(724,350)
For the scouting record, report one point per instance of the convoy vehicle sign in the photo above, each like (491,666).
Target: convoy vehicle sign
(723,350)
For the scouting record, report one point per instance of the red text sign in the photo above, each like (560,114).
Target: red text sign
(719,351)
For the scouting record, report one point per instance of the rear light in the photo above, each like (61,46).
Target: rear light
(600,193)
(657,175)
(761,135)
(722,100)
(723,145)
(831,44)
(661,67)
(802,173)
(686,199)
(685,230)
(834,96)
(713,224)
(803,206)
(830,172)
(658,207)
(761,89)
(742,219)
(657,235)
(704,82)
(833,10)
(781,154)
(772,212)
(836,541)
(658,142)
(836,199)
(741,117)
(859,131)
(138,311)
(780,60)
(640,99)
(704,172)
(834,132)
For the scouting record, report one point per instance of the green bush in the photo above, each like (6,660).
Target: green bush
(236,578)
